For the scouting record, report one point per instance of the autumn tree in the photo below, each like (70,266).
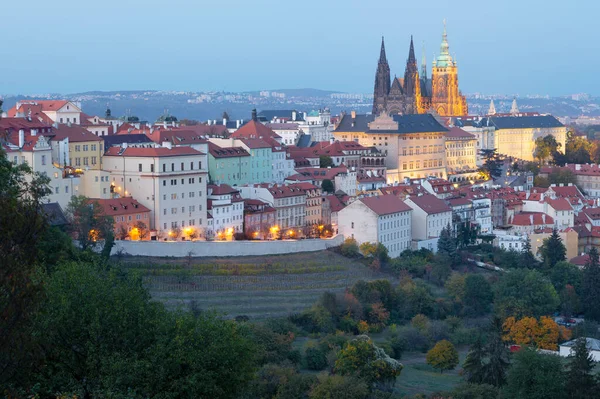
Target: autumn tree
(553,250)
(591,286)
(578,149)
(580,381)
(442,356)
(349,248)
(339,387)
(528,331)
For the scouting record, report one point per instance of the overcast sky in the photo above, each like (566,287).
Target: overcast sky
(502,47)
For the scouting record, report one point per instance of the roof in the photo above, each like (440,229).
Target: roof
(118,139)
(358,124)
(457,132)
(591,343)
(592,213)
(226,152)
(580,260)
(23,123)
(430,204)
(416,123)
(151,152)
(74,133)
(254,129)
(282,126)
(458,201)
(222,189)
(385,204)
(522,122)
(559,204)
(270,114)
(253,143)
(286,191)
(120,206)
(531,219)
(335,204)
(54,214)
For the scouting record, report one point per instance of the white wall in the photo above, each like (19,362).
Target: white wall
(223,248)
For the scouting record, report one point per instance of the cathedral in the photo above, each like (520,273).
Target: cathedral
(418,94)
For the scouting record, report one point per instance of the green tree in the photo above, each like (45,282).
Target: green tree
(478,295)
(492,164)
(474,362)
(325,161)
(474,391)
(296,387)
(578,149)
(455,285)
(89,223)
(534,375)
(327,186)
(442,356)
(527,258)
(553,250)
(580,380)
(545,147)
(523,292)
(22,225)
(363,359)
(591,286)
(339,387)
(349,248)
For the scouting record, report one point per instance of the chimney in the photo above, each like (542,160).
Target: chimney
(224,121)
(577,167)
(254,116)
(531,219)
(167,144)
(544,218)
(294,115)
(237,124)
(21,138)
(353,114)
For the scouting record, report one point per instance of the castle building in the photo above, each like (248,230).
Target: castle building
(417,94)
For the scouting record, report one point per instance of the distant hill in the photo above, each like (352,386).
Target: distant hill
(302,92)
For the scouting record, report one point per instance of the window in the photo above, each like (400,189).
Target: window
(164,167)
(77,148)
(96,179)
(172,167)
(86,147)
(182,166)
(57,190)
(164,182)
(43,160)
(67,189)
(77,161)
(93,147)
(191,165)
(94,160)
(152,168)
(139,167)
(85,161)
(173,196)
(61,120)
(199,164)
(173,211)
(165,211)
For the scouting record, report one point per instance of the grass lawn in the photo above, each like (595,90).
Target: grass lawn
(418,377)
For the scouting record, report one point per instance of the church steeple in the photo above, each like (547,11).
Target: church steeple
(492,109)
(514,109)
(424,64)
(382,82)
(411,52)
(444,59)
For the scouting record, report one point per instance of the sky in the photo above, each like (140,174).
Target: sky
(502,47)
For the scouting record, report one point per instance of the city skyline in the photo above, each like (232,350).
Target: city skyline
(506,50)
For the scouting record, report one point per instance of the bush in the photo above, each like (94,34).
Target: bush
(414,339)
(316,359)
(350,248)
(398,344)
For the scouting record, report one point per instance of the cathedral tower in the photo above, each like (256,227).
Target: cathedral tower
(412,84)
(382,82)
(446,99)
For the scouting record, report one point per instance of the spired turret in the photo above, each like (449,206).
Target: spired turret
(514,109)
(492,109)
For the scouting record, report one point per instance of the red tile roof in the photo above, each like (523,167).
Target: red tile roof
(227,152)
(459,201)
(430,204)
(151,152)
(74,133)
(222,189)
(255,143)
(335,204)
(592,213)
(559,204)
(385,204)
(286,191)
(531,219)
(456,133)
(580,260)
(254,130)
(120,206)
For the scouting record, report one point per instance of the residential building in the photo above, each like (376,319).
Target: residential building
(289,132)
(343,179)
(461,155)
(58,111)
(171,182)
(225,208)
(131,219)
(85,148)
(259,219)
(587,176)
(289,201)
(384,219)
(529,222)
(430,215)
(439,187)
(229,165)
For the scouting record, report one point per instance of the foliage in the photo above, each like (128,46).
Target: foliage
(327,186)
(363,359)
(524,292)
(325,161)
(474,391)
(591,286)
(546,147)
(527,258)
(88,222)
(578,150)
(349,248)
(553,250)
(487,363)
(579,379)
(316,359)
(455,286)
(297,386)
(442,356)
(543,334)
(374,251)
(478,295)
(339,387)
(22,224)
(556,176)
(447,242)
(420,322)
(492,164)
(534,375)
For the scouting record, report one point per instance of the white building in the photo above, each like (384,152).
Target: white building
(289,202)
(430,215)
(509,242)
(384,219)
(289,132)
(225,209)
(593,345)
(59,111)
(171,182)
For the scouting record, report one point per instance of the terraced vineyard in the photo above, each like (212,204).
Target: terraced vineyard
(258,287)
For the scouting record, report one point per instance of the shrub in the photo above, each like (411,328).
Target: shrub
(316,359)
(349,248)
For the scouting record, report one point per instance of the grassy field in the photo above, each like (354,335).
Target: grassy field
(258,287)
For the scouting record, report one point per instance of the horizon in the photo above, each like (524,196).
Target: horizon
(334,46)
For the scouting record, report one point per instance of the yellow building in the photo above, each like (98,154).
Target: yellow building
(413,145)
(85,148)
(461,155)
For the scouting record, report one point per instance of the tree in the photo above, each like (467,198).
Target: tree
(474,391)
(363,359)
(88,221)
(455,286)
(523,292)
(545,147)
(349,248)
(553,250)
(534,375)
(578,149)
(492,164)
(580,382)
(23,226)
(442,356)
(375,251)
(474,362)
(327,186)
(591,286)
(325,161)
(543,334)
(478,295)
(339,387)
(527,258)
(466,234)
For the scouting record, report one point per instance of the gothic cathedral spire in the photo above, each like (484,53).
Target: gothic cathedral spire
(424,65)
(382,82)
